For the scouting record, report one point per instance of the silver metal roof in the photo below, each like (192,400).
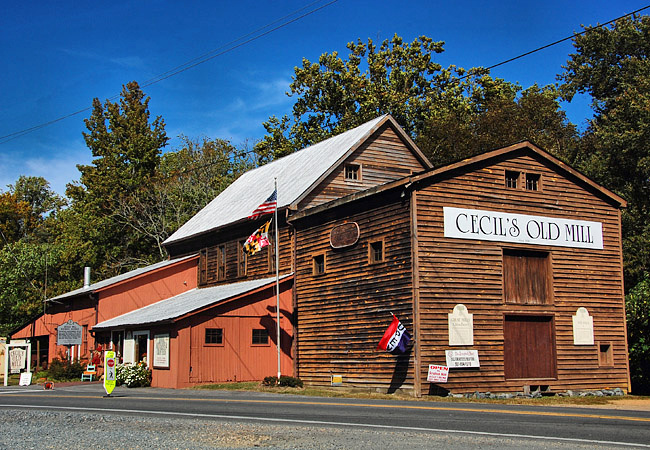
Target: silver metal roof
(296,174)
(116,279)
(184,303)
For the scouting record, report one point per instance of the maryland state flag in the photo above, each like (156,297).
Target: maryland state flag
(258,240)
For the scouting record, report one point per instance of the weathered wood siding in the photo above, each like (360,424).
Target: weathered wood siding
(470,272)
(257,266)
(382,158)
(343,313)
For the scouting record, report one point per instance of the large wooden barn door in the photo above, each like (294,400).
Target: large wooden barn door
(528,347)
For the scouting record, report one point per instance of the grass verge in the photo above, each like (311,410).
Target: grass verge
(358,393)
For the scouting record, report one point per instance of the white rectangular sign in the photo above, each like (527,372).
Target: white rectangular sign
(462,223)
(462,358)
(161,350)
(437,374)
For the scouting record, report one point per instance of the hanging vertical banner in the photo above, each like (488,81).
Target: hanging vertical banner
(109,372)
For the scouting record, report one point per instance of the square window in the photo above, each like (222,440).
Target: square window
(511,179)
(376,252)
(353,172)
(532,182)
(260,337)
(214,336)
(318,264)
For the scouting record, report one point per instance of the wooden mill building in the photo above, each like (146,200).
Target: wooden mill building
(506,268)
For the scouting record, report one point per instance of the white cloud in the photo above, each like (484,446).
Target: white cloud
(57,167)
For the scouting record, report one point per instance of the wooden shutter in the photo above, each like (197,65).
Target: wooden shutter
(526,277)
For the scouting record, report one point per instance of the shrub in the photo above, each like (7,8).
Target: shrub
(133,375)
(638,332)
(62,370)
(284,381)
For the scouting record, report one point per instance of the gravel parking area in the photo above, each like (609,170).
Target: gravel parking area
(34,429)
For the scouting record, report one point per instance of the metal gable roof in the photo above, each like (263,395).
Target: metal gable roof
(181,304)
(296,174)
(119,278)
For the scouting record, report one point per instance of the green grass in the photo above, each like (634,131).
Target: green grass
(343,392)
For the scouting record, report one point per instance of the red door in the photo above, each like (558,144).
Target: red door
(528,347)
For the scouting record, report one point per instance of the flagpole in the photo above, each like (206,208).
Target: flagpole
(277,281)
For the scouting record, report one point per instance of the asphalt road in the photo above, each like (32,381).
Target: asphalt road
(286,421)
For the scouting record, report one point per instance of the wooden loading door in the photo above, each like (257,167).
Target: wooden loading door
(528,347)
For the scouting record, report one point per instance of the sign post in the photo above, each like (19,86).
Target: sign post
(109,372)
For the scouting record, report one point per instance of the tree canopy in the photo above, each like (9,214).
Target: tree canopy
(450,112)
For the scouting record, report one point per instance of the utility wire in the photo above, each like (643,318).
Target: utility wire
(226,48)
(557,42)
(232,46)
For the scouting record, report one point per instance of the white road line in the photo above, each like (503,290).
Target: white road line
(341,424)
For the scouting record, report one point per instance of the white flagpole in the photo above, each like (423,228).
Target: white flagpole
(277,280)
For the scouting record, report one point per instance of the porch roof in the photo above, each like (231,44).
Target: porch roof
(174,307)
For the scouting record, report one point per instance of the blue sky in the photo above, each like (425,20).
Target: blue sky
(58,56)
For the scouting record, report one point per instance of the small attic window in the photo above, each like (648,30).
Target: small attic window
(353,172)
(511,179)
(532,181)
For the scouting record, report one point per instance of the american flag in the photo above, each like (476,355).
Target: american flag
(267,207)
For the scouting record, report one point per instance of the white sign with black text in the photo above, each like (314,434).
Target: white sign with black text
(462,359)
(462,223)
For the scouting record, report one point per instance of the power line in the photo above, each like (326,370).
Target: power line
(226,48)
(234,44)
(564,39)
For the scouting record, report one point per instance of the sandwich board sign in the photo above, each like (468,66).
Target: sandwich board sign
(109,372)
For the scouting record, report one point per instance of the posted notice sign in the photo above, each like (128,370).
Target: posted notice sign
(437,374)
(109,372)
(462,358)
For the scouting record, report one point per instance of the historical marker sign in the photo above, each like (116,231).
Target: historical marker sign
(69,333)
(109,372)
(461,326)
(583,328)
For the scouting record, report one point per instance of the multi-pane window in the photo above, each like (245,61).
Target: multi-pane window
(214,336)
(241,259)
(353,172)
(318,264)
(260,337)
(532,182)
(376,252)
(512,178)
